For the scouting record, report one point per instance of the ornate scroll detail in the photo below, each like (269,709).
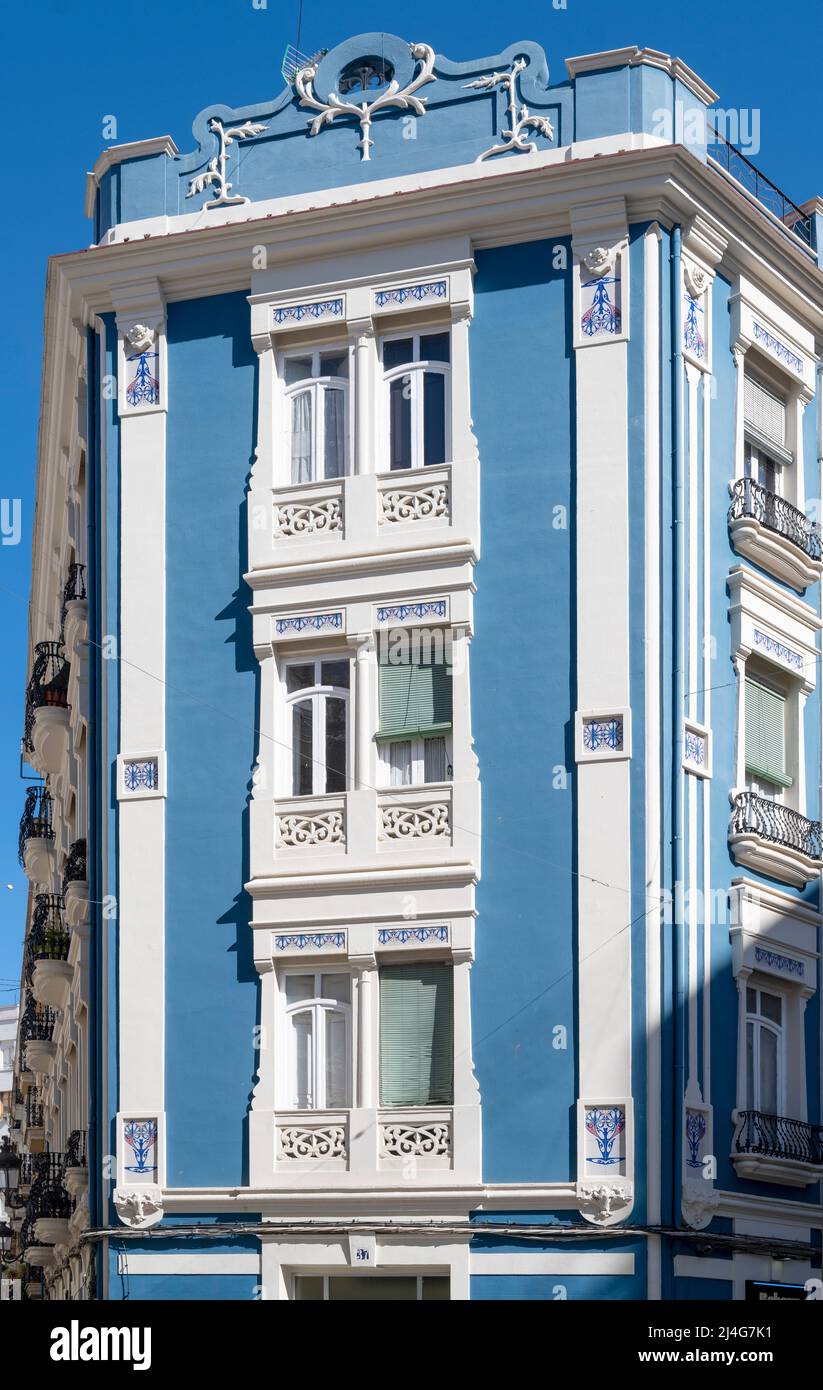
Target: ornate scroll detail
(317,941)
(699,1205)
(141,774)
(605,1123)
(144,386)
(694,748)
(313,1143)
(519,119)
(695,1134)
(414,504)
(139,1206)
(302,831)
(603,314)
(316,621)
(291,519)
(603,733)
(418,1141)
(599,262)
(366,110)
(693,340)
(780,962)
(316,309)
(598,1200)
(140,337)
(399,612)
(421,294)
(141,1138)
(418,935)
(415,822)
(216,172)
(697,279)
(778,649)
(778,349)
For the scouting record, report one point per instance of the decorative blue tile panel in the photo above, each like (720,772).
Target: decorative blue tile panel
(605,1124)
(779,962)
(144,386)
(602,314)
(320,309)
(420,294)
(778,649)
(603,733)
(693,340)
(141,1137)
(141,775)
(778,349)
(695,1134)
(313,941)
(404,935)
(694,748)
(400,612)
(316,621)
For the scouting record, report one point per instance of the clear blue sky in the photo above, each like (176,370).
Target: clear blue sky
(155,63)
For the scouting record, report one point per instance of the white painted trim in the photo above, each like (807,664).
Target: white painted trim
(230,1262)
(700,1267)
(567,1262)
(281,1258)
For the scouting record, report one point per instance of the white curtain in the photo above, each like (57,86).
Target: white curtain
(335,419)
(301,437)
(400,763)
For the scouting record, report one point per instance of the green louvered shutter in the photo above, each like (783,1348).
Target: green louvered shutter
(766,733)
(416,1034)
(415,699)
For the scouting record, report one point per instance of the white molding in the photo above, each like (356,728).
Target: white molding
(229,1262)
(633,56)
(567,1262)
(157,756)
(283,1257)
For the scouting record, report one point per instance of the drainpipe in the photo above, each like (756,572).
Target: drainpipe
(678,711)
(95,893)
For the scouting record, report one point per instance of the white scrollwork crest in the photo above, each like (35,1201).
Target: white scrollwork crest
(366,110)
(603,1203)
(520,121)
(139,1206)
(216,172)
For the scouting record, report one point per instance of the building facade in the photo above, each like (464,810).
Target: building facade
(425,686)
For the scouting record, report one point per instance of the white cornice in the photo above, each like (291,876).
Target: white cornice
(426,1201)
(647,57)
(452,875)
(115,154)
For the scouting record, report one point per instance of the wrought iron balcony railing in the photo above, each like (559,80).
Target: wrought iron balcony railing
(780,825)
(776,1136)
(34,1110)
(75,588)
(48,684)
(75,870)
(793,218)
(75,1156)
(750,499)
(36,820)
(37,1024)
(48,938)
(27,1236)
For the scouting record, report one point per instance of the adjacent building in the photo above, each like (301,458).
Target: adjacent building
(424,679)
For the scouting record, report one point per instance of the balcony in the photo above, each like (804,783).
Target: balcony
(774,840)
(792,220)
(774,1148)
(48,951)
(46,732)
(36,839)
(773,534)
(75,1164)
(50,1205)
(74,612)
(75,885)
(33,1121)
(36,1032)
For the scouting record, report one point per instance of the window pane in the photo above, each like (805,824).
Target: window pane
(751,1000)
(397,352)
(299,987)
(770,1006)
(302,1098)
(400,423)
(336,1088)
(302,749)
(768,1072)
(434,347)
(765,732)
(750,1103)
(334,402)
(434,418)
(301,430)
(434,760)
(335,673)
(416,1034)
(334,364)
(297,369)
(337,987)
(299,677)
(400,763)
(309,1286)
(348,1288)
(335,744)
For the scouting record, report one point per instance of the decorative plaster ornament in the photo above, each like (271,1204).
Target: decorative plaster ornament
(216,172)
(519,118)
(364,112)
(599,261)
(140,337)
(697,279)
(139,1206)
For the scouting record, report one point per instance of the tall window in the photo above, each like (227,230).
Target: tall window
(317,693)
(766,739)
(318,1041)
(764,412)
(416,369)
(416,1034)
(764,1051)
(415,717)
(316,400)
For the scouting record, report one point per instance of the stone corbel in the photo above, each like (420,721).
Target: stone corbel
(604,1203)
(139,1207)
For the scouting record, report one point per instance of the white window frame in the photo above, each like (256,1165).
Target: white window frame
(418,762)
(318,694)
(415,371)
(759,1024)
(317,385)
(319,1007)
(791,755)
(380,1273)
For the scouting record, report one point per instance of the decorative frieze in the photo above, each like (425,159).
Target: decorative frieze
(429,292)
(309,622)
(520,121)
(418,936)
(365,111)
(316,311)
(309,519)
(429,822)
(778,349)
(406,612)
(414,503)
(778,649)
(300,1142)
(310,941)
(776,961)
(300,832)
(416,1141)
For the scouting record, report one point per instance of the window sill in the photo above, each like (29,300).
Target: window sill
(774,553)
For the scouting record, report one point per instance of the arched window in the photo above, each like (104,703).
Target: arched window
(317,384)
(318,1047)
(764,1051)
(317,693)
(416,371)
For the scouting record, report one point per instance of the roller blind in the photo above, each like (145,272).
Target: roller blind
(416,1034)
(766,733)
(764,411)
(415,698)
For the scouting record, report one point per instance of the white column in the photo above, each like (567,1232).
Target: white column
(367,985)
(364,360)
(364,723)
(739,410)
(740,730)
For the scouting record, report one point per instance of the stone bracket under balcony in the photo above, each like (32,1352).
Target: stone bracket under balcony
(773,534)
(774,840)
(777,1149)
